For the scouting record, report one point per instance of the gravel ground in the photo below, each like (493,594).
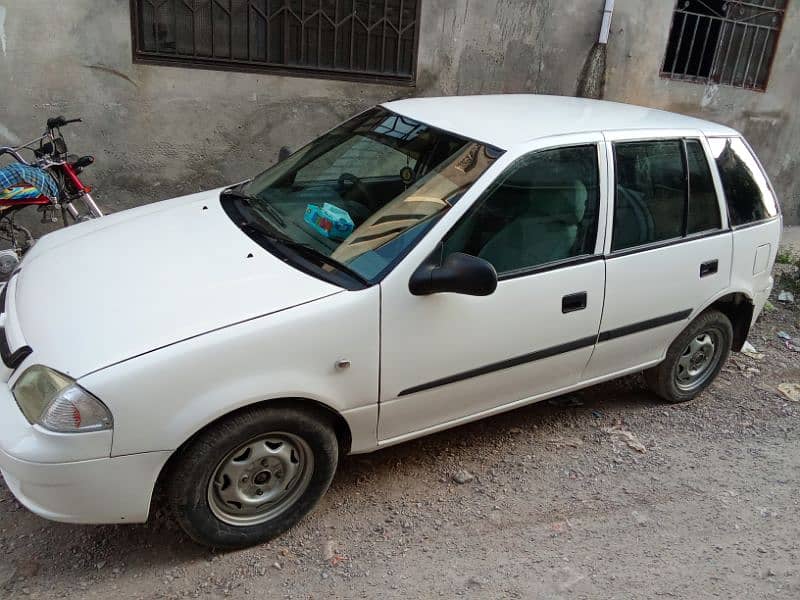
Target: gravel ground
(606,493)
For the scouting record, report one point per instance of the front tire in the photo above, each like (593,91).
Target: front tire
(251,476)
(694,359)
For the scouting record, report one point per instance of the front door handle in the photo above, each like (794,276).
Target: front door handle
(709,267)
(572,302)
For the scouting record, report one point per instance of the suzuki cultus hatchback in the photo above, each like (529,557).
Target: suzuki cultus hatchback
(426,263)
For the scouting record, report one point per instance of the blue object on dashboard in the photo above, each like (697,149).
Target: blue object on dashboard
(329,220)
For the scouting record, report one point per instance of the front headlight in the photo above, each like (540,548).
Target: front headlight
(56,402)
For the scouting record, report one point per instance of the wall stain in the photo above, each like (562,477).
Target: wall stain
(112,71)
(3,39)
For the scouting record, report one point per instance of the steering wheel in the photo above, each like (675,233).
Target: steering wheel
(353,189)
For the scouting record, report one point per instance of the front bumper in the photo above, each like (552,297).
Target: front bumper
(71,477)
(103,490)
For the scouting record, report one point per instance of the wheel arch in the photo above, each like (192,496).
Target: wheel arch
(339,424)
(739,308)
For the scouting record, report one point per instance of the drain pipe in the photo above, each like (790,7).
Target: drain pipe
(605,27)
(593,76)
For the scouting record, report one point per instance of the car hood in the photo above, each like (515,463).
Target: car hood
(107,290)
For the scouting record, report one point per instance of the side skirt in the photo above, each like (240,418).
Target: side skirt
(510,406)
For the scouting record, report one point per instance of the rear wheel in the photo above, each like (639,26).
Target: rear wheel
(694,359)
(252,476)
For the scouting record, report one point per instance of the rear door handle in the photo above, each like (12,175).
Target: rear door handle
(572,302)
(709,268)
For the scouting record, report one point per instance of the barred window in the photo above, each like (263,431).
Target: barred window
(730,42)
(373,40)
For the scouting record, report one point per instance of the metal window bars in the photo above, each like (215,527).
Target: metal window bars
(364,40)
(728,42)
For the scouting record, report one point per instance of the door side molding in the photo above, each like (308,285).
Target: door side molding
(552,351)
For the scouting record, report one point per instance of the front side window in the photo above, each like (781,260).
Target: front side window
(359,197)
(664,191)
(747,192)
(543,209)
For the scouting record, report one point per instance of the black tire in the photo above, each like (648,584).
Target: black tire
(663,380)
(188,491)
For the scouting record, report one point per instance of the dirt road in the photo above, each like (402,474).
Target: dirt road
(602,494)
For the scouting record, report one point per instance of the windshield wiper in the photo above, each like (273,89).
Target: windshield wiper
(311,252)
(237,193)
(305,250)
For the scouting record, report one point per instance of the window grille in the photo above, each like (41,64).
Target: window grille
(367,40)
(729,42)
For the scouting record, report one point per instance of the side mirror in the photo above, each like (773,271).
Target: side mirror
(460,274)
(284,153)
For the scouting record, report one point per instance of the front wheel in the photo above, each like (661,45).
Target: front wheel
(694,359)
(251,476)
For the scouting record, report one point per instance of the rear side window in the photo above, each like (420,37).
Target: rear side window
(703,205)
(747,192)
(664,191)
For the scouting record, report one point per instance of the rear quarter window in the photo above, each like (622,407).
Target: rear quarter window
(747,191)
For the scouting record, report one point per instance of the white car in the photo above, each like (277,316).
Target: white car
(427,263)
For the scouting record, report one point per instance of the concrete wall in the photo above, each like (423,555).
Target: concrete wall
(770,120)
(162,131)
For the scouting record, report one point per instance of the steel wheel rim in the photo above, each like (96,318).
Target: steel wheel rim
(698,361)
(260,479)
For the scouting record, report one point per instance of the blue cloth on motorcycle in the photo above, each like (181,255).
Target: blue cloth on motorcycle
(18,175)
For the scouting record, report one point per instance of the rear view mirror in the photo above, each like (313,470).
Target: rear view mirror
(459,274)
(284,153)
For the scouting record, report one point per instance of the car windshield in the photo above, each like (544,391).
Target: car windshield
(359,197)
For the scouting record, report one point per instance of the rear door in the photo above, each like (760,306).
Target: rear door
(668,247)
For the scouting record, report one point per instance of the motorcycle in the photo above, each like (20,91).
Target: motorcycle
(50,181)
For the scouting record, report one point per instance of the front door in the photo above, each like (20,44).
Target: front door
(448,357)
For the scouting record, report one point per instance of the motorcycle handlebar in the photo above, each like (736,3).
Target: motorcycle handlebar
(60,121)
(14,153)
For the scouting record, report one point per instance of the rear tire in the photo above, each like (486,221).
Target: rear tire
(251,476)
(694,359)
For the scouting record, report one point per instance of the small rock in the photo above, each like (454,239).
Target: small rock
(28,568)
(462,476)
(7,573)
(790,390)
(640,519)
(618,433)
(560,442)
(785,296)
(277,565)
(477,581)
(784,336)
(749,350)
(329,550)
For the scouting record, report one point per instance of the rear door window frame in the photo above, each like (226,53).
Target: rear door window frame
(614,137)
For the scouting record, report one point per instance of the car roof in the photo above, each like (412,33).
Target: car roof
(505,120)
